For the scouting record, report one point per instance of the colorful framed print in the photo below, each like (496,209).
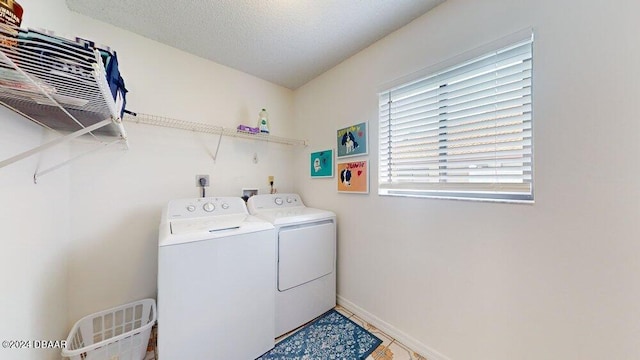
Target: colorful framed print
(353,177)
(352,140)
(321,164)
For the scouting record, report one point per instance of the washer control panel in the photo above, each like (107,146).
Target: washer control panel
(273,201)
(208,206)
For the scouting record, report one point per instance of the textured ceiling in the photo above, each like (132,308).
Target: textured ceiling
(287,42)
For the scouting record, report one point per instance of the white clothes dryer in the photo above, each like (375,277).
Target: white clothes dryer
(306,260)
(216,278)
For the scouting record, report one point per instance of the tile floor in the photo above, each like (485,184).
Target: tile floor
(390,349)
(153,340)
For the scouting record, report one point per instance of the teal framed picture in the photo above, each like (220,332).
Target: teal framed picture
(321,164)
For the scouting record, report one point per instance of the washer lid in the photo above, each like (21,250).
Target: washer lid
(207,224)
(294,215)
(183,231)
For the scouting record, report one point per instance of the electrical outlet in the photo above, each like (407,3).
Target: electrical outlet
(206,180)
(270,179)
(247,193)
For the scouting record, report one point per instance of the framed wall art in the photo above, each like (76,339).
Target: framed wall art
(352,140)
(321,164)
(353,177)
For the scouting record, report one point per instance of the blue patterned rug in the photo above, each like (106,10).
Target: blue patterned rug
(331,336)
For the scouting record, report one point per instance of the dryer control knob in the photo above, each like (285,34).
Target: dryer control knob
(289,200)
(191,208)
(278,201)
(225,206)
(208,207)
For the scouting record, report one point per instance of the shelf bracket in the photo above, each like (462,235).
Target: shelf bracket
(38,174)
(54,142)
(215,156)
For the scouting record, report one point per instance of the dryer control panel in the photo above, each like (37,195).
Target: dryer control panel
(273,201)
(203,207)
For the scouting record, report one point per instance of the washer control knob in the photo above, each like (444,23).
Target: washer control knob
(278,201)
(208,207)
(191,208)
(225,206)
(289,200)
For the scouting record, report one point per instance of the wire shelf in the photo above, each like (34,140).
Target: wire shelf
(54,82)
(59,84)
(207,128)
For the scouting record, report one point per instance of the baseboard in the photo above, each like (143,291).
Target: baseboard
(391,330)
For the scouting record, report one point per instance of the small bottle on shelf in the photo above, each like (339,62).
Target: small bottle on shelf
(263,121)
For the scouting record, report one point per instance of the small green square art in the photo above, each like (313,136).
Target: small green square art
(321,164)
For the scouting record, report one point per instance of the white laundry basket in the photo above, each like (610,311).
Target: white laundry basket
(120,333)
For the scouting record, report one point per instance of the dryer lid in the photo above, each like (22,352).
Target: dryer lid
(294,215)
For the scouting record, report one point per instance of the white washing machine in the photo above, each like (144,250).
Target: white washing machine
(306,248)
(216,278)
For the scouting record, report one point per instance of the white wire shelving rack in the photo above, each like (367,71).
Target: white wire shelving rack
(57,84)
(208,128)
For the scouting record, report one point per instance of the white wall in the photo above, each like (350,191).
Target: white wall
(34,238)
(474,280)
(98,217)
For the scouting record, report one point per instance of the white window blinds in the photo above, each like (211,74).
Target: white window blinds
(464,132)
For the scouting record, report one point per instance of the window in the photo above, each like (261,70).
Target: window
(463,132)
